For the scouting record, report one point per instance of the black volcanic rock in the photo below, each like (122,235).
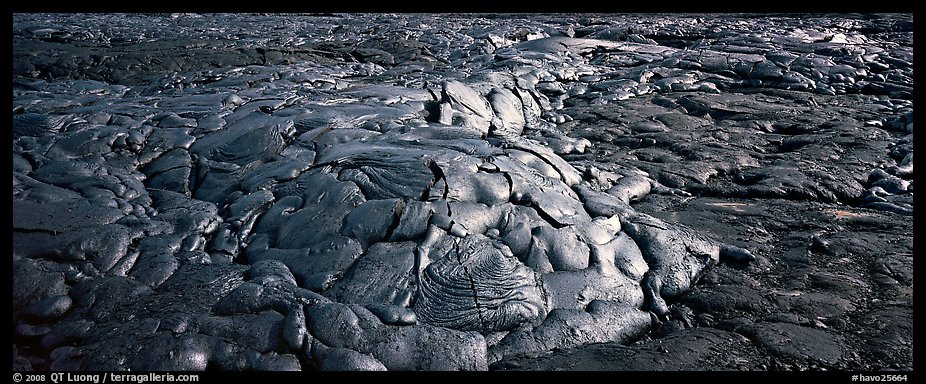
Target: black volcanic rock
(462,192)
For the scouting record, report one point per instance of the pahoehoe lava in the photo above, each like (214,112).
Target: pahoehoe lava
(462,192)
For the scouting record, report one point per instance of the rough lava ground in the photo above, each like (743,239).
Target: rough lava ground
(462,192)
